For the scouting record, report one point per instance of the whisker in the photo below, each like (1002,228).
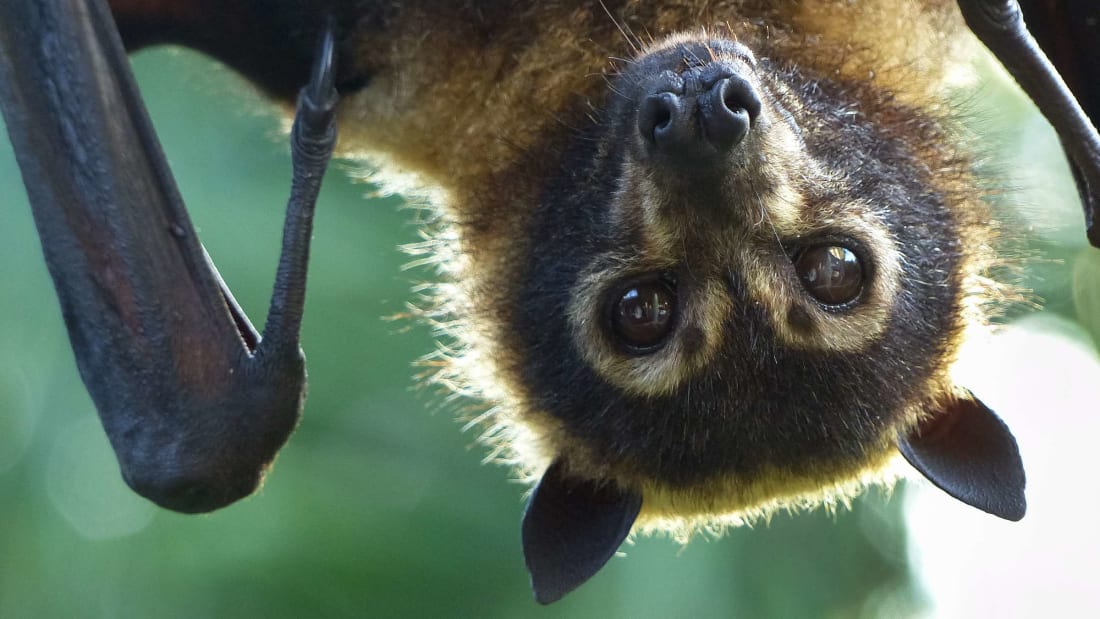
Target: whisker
(626,36)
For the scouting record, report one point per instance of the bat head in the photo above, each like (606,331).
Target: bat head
(757,281)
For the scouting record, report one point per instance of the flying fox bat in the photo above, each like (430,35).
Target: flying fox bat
(730,277)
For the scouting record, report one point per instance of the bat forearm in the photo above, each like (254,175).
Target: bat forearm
(312,140)
(999,25)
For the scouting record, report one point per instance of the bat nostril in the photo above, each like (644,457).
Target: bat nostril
(728,111)
(658,119)
(738,94)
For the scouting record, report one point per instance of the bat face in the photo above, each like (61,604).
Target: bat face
(758,277)
(741,316)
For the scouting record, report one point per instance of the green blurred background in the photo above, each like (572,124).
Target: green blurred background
(380,505)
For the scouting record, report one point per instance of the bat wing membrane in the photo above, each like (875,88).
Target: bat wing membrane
(195,405)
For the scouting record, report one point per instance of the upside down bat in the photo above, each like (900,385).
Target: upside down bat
(701,260)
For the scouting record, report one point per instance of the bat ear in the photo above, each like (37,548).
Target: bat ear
(969,453)
(571,527)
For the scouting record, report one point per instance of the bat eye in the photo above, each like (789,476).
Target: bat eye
(831,274)
(642,316)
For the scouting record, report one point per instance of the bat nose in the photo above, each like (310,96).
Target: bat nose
(701,114)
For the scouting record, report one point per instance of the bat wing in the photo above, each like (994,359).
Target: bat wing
(1063,86)
(1068,31)
(194,401)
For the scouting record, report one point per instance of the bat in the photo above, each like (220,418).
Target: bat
(607,347)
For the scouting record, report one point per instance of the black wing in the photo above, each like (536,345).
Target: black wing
(1065,88)
(1068,31)
(195,403)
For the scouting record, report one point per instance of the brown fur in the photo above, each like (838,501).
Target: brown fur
(478,102)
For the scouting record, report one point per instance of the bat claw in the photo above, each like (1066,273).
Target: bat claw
(322,81)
